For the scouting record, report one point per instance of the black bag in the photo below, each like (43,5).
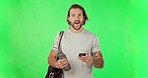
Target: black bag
(55,72)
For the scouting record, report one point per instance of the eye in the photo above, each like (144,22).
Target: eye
(72,15)
(79,14)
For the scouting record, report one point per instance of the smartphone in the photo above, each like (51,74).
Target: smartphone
(82,54)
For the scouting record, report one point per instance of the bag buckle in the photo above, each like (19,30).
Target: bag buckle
(51,75)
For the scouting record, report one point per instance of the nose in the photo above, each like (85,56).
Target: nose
(77,17)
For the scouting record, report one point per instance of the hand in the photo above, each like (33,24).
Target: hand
(97,60)
(61,63)
(86,58)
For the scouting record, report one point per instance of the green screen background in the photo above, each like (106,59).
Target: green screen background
(28,28)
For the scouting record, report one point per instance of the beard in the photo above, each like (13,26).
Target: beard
(77,27)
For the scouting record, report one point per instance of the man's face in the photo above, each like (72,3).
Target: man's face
(76,18)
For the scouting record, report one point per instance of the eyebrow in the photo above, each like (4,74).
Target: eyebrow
(75,14)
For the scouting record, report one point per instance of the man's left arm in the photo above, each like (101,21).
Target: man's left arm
(96,57)
(97,60)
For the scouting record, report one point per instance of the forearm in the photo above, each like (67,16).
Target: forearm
(52,61)
(97,62)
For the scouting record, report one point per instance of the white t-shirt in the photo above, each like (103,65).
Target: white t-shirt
(74,43)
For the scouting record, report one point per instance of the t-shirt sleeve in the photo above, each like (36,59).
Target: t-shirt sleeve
(96,44)
(55,43)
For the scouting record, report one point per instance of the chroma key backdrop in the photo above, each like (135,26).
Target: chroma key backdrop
(28,29)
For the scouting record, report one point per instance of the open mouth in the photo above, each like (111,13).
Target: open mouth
(77,22)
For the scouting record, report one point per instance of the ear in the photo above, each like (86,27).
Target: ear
(68,18)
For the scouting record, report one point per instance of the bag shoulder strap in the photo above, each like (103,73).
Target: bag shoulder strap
(60,38)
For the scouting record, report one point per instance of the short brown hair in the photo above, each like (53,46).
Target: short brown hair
(80,7)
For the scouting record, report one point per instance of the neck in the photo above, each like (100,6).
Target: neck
(76,31)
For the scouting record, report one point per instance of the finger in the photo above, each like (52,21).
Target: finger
(79,58)
(97,54)
(65,64)
(83,59)
(58,61)
(59,65)
(63,59)
(87,54)
(83,56)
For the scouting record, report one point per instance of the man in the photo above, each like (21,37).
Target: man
(77,40)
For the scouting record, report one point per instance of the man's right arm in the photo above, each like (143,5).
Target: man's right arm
(52,58)
(54,63)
